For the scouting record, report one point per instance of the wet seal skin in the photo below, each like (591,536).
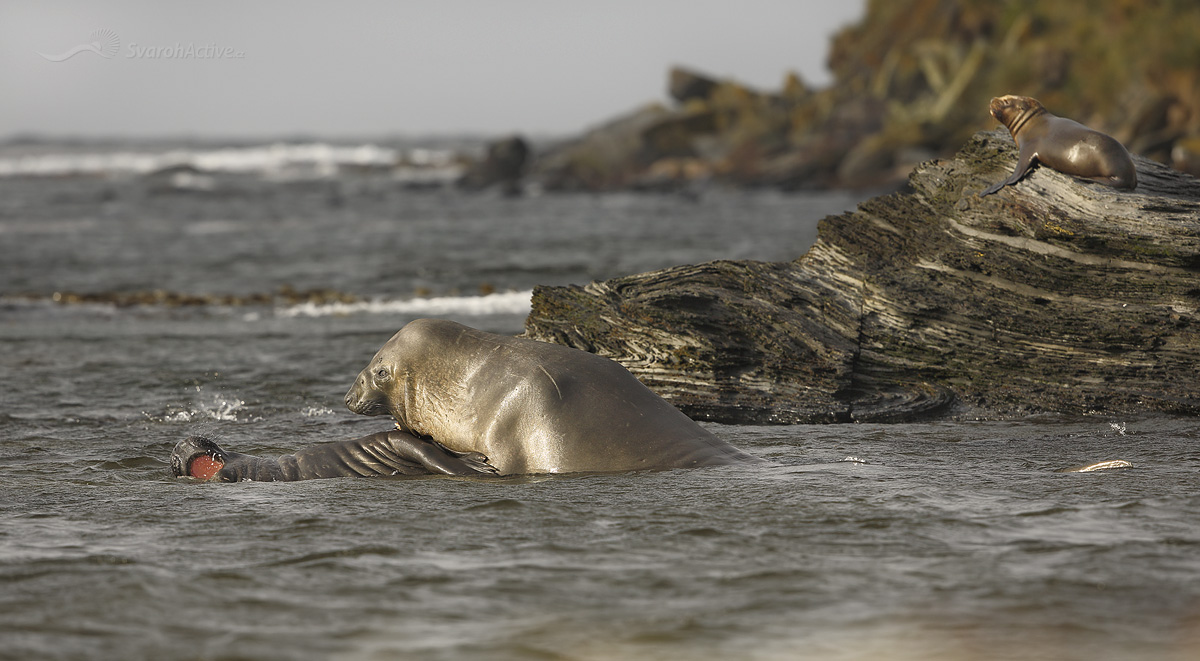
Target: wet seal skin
(529,406)
(378,455)
(1060,143)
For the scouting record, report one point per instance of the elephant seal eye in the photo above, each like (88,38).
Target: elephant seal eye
(381,372)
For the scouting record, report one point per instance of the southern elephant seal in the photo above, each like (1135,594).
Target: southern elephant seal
(529,406)
(1060,143)
(383,454)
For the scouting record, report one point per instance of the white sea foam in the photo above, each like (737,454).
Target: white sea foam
(205,406)
(315,411)
(517,302)
(278,159)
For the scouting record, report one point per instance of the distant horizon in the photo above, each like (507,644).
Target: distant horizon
(24,137)
(134,70)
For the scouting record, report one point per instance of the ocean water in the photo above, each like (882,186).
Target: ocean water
(946,540)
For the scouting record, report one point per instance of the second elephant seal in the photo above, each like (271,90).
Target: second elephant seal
(1060,143)
(383,454)
(528,406)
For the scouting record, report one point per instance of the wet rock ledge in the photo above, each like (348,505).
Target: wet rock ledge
(1056,295)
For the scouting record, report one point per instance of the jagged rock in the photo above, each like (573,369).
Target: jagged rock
(606,157)
(684,85)
(675,136)
(503,166)
(1053,295)
(916,76)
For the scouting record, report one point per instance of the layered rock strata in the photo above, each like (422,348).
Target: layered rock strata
(1054,295)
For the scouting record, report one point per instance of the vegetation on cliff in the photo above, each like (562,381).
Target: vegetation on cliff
(912,81)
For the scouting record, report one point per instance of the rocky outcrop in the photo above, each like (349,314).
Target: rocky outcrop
(912,81)
(502,166)
(1053,295)
(608,157)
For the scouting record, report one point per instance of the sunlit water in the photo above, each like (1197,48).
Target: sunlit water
(952,540)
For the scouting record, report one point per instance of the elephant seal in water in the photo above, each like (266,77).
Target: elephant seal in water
(383,454)
(529,406)
(1062,144)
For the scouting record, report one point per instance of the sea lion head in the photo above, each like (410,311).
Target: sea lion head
(1014,111)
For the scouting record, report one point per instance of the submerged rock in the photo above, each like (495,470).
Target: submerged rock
(1053,295)
(503,166)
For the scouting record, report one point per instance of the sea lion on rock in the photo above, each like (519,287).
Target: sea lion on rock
(383,454)
(529,406)
(1060,143)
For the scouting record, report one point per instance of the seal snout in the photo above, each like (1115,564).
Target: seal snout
(363,399)
(1002,107)
(198,457)
(994,108)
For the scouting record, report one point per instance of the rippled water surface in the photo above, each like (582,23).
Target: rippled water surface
(953,540)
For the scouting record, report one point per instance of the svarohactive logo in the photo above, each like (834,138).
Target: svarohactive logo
(107,43)
(104,43)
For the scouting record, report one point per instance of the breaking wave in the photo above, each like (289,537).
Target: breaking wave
(317,159)
(517,302)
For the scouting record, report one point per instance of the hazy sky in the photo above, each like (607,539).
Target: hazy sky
(354,67)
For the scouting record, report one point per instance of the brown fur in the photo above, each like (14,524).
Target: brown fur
(1062,144)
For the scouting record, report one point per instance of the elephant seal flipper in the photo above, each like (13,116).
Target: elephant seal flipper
(378,455)
(392,452)
(1061,144)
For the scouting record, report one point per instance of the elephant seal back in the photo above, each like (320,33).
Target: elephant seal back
(529,406)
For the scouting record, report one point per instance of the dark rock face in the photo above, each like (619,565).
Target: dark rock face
(503,166)
(1053,295)
(684,85)
(606,158)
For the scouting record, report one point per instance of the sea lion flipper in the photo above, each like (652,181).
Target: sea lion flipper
(992,189)
(1024,165)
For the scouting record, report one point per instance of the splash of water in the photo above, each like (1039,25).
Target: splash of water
(207,407)
(315,411)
